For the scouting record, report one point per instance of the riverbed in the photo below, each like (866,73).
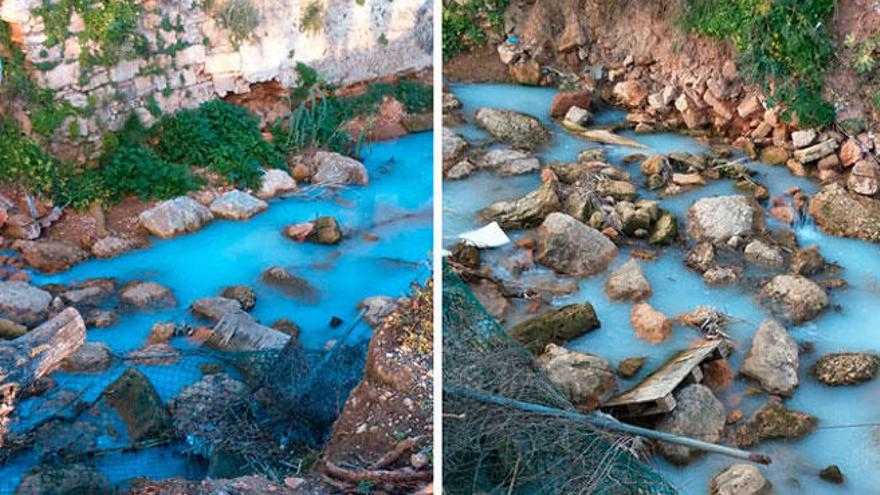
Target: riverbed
(388,227)
(844,436)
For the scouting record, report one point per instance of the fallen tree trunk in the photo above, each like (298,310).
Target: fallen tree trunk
(26,359)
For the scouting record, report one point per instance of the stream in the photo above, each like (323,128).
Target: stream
(850,323)
(395,209)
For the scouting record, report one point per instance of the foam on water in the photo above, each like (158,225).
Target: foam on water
(850,325)
(396,207)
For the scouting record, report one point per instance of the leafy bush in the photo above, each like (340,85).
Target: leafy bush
(781,43)
(22,161)
(240,17)
(221,136)
(314,123)
(465,24)
(136,170)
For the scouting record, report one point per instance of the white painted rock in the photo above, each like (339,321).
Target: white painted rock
(237,205)
(275,182)
(175,216)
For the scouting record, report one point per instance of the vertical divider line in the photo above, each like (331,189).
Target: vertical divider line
(438,244)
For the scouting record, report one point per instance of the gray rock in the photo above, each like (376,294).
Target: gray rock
(572,248)
(628,283)
(243,294)
(719,218)
(275,182)
(333,169)
(63,479)
(460,170)
(740,479)
(698,414)
(807,261)
(816,151)
(525,212)
(112,246)
(799,298)
(290,284)
(701,258)
(578,116)
(175,216)
(802,139)
(722,275)
(92,357)
(454,146)
(760,253)
(510,162)
(240,332)
(772,360)
(147,295)
(237,205)
(214,308)
(377,308)
(23,303)
(586,379)
(216,396)
(846,368)
(517,129)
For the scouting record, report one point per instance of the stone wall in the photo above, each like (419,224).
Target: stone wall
(352,41)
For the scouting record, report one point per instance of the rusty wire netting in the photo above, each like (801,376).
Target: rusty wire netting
(492,449)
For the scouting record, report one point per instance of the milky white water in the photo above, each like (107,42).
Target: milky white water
(396,207)
(851,324)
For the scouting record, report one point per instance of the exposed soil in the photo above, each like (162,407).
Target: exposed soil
(479,66)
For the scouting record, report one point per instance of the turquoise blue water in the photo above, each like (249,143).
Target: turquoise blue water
(851,328)
(396,207)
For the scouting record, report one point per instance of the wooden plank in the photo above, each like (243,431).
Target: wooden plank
(662,382)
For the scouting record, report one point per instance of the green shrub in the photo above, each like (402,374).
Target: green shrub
(22,162)
(781,43)
(136,170)
(465,24)
(314,123)
(240,17)
(221,136)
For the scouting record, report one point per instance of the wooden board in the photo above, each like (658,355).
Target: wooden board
(654,394)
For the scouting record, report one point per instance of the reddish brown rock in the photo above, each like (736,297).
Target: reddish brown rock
(564,100)
(3,216)
(632,94)
(385,124)
(863,178)
(22,227)
(527,72)
(718,374)
(850,153)
(774,155)
(650,325)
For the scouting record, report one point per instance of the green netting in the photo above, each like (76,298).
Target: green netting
(493,449)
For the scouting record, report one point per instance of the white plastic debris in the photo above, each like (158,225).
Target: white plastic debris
(490,236)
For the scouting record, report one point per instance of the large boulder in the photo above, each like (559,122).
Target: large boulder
(510,162)
(632,93)
(517,129)
(773,420)
(50,256)
(290,284)
(275,182)
(650,324)
(147,295)
(556,326)
(798,298)
(333,169)
(92,357)
(454,146)
(527,211)
(586,379)
(697,414)
(132,396)
(628,283)
(740,479)
(845,368)
(23,303)
(772,359)
(22,226)
(719,218)
(843,213)
(214,308)
(569,247)
(175,216)
(237,205)
(213,397)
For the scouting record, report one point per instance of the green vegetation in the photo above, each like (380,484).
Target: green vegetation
(220,136)
(783,45)
(240,17)
(110,33)
(318,115)
(465,24)
(312,20)
(46,115)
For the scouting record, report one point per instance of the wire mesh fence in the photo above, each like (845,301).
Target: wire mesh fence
(488,448)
